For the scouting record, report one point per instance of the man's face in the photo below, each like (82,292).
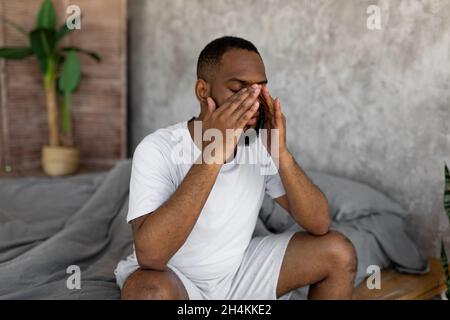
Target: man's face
(238,69)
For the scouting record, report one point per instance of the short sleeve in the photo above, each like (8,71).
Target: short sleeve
(274,186)
(150,183)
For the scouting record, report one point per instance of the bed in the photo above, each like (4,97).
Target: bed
(48,225)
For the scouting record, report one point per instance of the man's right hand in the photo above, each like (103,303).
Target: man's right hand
(233,115)
(155,238)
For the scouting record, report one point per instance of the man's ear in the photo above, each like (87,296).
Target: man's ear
(202,91)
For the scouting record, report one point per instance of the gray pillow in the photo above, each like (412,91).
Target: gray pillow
(347,199)
(350,199)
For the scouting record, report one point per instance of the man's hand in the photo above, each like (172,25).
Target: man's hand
(274,119)
(233,115)
(304,201)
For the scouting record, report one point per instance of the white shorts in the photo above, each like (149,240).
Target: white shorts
(255,279)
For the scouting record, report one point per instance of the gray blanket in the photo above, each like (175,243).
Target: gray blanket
(49,224)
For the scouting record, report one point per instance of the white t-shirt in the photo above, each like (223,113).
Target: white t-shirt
(224,228)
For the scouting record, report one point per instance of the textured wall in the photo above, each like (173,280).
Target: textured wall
(370,105)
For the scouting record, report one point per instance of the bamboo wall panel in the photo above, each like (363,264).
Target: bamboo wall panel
(99,106)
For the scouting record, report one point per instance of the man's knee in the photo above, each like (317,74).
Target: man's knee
(341,252)
(154,292)
(154,287)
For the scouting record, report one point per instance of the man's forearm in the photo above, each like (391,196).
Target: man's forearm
(307,204)
(159,236)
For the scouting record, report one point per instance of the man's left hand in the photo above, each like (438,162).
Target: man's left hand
(274,119)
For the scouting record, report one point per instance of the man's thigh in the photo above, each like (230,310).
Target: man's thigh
(258,273)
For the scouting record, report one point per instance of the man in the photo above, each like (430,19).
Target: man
(193,222)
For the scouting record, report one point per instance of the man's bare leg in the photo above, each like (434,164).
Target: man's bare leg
(154,285)
(327,263)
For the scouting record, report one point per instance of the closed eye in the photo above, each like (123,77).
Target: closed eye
(236,89)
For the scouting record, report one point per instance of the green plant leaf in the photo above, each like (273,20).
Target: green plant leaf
(92,54)
(65,113)
(447,192)
(43,43)
(67,83)
(46,18)
(15,53)
(70,73)
(62,32)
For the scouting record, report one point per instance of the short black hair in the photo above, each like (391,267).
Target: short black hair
(212,54)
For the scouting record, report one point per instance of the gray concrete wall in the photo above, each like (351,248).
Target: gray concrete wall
(370,105)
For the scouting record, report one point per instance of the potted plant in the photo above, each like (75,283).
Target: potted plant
(446,294)
(61,72)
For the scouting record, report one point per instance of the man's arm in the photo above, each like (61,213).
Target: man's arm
(159,235)
(303,200)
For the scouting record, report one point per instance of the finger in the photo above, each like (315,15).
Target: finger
(268,114)
(262,99)
(253,93)
(238,97)
(210,108)
(269,100)
(278,114)
(265,112)
(242,121)
(246,104)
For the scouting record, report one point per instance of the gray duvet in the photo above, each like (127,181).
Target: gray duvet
(49,224)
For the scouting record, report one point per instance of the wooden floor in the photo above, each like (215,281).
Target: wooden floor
(398,286)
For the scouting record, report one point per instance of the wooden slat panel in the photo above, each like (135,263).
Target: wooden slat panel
(98,108)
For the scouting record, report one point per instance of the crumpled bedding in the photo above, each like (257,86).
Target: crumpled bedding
(49,224)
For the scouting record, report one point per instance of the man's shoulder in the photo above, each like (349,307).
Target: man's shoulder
(163,139)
